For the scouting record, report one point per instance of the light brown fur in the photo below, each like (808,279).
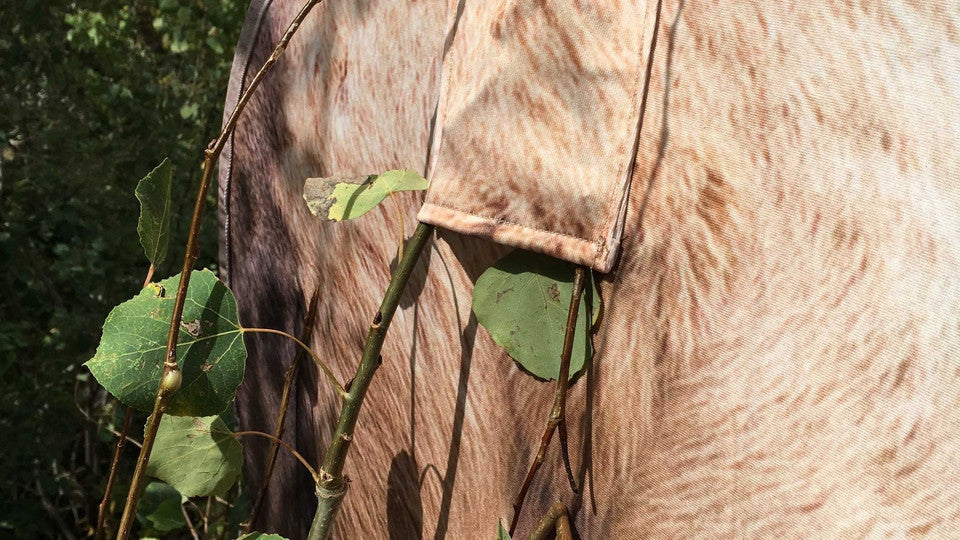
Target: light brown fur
(778,355)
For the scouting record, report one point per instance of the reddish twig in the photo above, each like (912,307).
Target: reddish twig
(557,413)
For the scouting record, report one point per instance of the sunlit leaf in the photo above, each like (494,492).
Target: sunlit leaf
(197,456)
(159,508)
(502,533)
(340,198)
(153,192)
(210,351)
(523,301)
(260,536)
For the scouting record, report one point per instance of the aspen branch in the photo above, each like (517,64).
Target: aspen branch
(171,378)
(332,486)
(557,413)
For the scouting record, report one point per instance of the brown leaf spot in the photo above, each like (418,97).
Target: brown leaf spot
(192,327)
(554,292)
(503,292)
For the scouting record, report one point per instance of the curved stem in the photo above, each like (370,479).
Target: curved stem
(281,442)
(332,486)
(333,380)
(308,325)
(557,413)
(403,233)
(189,260)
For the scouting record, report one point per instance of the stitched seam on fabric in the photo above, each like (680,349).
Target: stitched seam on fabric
(504,221)
(603,229)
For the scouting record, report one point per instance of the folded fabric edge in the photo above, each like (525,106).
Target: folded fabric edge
(599,255)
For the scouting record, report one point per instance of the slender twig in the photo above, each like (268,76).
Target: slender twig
(332,486)
(105,503)
(279,425)
(121,439)
(281,442)
(551,522)
(565,454)
(558,411)
(326,370)
(190,527)
(51,509)
(171,370)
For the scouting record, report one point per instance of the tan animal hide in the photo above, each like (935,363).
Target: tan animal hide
(778,356)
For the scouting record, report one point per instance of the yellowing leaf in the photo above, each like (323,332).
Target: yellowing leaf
(339,198)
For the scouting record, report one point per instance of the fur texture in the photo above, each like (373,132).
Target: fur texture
(778,355)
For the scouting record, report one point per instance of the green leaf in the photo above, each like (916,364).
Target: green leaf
(523,300)
(197,456)
(340,198)
(153,192)
(210,350)
(260,536)
(159,508)
(502,533)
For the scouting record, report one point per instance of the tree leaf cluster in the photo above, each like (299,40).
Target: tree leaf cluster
(90,94)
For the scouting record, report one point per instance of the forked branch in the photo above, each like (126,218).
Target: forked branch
(557,413)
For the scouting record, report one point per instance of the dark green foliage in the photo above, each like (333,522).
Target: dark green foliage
(93,95)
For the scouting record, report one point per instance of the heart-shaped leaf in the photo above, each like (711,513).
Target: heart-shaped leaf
(153,192)
(210,351)
(260,536)
(523,301)
(197,456)
(339,198)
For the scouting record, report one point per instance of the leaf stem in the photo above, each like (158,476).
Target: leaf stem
(332,486)
(403,233)
(308,325)
(121,439)
(557,413)
(281,442)
(170,365)
(326,370)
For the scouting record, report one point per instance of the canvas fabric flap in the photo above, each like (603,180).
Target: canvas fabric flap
(537,124)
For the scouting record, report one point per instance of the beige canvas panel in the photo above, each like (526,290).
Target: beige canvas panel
(537,124)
